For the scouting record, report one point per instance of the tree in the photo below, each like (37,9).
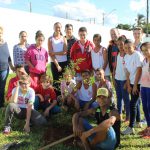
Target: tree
(124,27)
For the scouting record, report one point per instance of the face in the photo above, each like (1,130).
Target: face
(146,51)
(114,35)
(99,75)
(24,85)
(23,37)
(69,31)
(57,28)
(82,35)
(129,48)
(96,41)
(137,34)
(45,84)
(20,72)
(102,100)
(120,45)
(39,41)
(85,78)
(68,78)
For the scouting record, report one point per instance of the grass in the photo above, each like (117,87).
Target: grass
(34,140)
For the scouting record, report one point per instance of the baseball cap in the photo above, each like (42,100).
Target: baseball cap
(103,92)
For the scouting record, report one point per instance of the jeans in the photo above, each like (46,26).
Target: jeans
(133,106)
(14,110)
(3,78)
(145,94)
(138,114)
(122,94)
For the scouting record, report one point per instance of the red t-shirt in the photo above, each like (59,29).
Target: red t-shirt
(76,53)
(13,84)
(48,94)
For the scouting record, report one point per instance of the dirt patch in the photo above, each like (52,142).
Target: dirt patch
(53,134)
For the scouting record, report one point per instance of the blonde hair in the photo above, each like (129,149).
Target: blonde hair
(1,29)
(46,78)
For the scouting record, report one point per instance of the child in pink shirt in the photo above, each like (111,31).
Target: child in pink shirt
(36,57)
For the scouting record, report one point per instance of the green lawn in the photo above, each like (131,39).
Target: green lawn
(60,126)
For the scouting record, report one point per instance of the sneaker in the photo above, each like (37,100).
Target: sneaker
(138,125)
(128,130)
(7,130)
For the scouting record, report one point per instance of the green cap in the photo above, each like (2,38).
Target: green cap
(103,92)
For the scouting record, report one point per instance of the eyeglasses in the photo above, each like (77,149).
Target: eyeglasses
(23,83)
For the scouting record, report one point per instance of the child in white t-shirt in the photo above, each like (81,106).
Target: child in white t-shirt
(21,106)
(133,64)
(99,56)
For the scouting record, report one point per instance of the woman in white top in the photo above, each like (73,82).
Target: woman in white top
(120,80)
(99,56)
(19,51)
(57,46)
(145,87)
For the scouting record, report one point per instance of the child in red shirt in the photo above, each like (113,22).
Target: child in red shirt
(47,95)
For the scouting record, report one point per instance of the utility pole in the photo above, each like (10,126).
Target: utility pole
(30,5)
(147,20)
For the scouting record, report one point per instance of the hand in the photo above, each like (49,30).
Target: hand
(46,112)
(135,90)
(77,131)
(125,86)
(41,98)
(13,69)
(52,53)
(27,128)
(129,89)
(59,69)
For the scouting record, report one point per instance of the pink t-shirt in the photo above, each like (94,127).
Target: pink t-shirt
(38,58)
(145,78)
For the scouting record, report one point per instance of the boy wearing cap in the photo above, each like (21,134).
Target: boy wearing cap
(106,135)
(21,106)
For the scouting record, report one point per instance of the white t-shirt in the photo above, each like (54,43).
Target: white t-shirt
(120,73)
(98,61)
(132,62)
(58,45)
(145,79)
(24,99)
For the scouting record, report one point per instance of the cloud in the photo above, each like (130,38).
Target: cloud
(83,10)
(137,5)
(6,1)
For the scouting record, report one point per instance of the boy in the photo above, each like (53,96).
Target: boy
(70,39)
(85,92)
(21,106)
(47,96)
(81,50)
(106,135)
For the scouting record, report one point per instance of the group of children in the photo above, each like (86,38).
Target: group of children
(88,90)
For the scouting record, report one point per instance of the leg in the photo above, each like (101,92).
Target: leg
(37,103)
(37,119)
(3,78)
(125,95)
(138,115)
(133,107)
(119,95)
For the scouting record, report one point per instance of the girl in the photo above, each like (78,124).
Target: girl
(99,56)
(145,87)
(120,80)
(36,57)
(57,46)
(133,64)
(19,51)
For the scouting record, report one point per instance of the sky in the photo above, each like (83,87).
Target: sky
(105,12)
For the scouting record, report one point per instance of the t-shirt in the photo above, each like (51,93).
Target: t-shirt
(13,83)
(58,46)
(76,54)
(145,78)
(48,94)
(98,60)
(132,62)
(24,99)
(4,57)
(38,58)
(120,73)
(19,54)
(67,89)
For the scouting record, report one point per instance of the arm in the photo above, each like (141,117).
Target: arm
(29,64)
(28,57)
(10,64)
(128,81)
(105,56)
(14,97)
